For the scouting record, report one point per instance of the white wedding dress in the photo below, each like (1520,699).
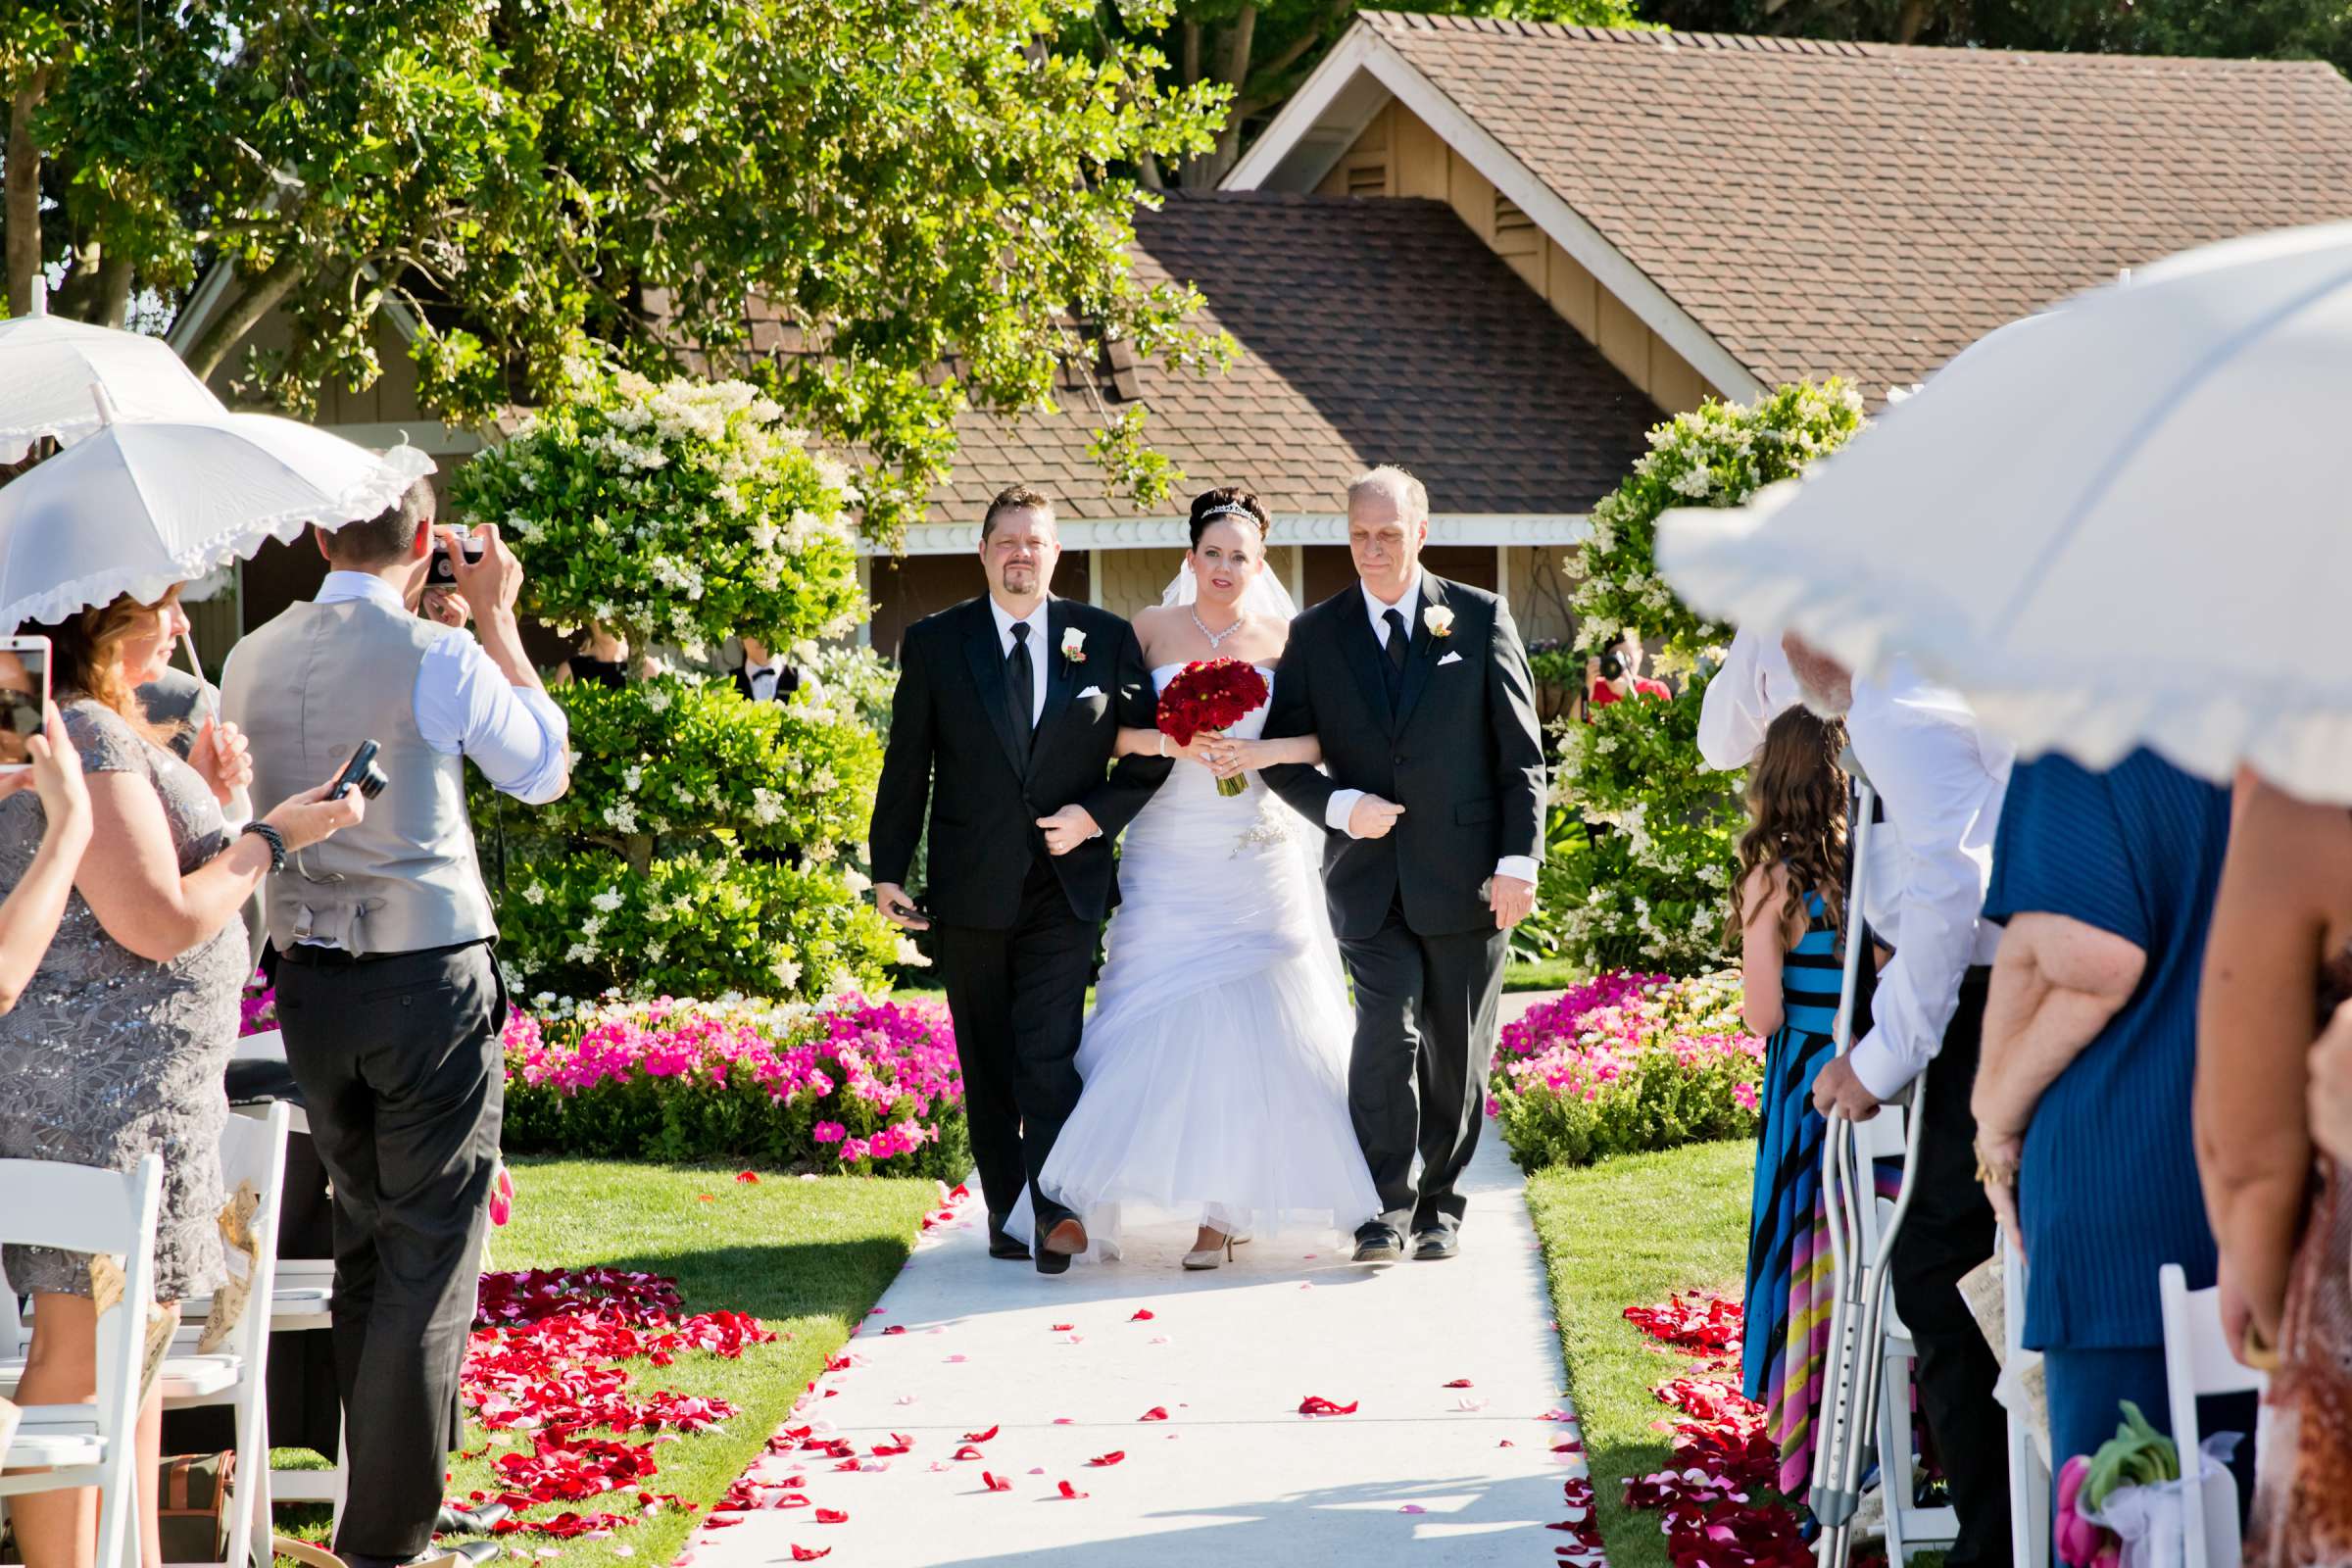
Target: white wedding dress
(1216,1059)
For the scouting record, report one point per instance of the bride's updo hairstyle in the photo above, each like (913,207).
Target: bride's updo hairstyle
(1229,501)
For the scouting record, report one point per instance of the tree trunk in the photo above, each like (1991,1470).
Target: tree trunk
(1147,165)
(23,191)
(1191,53)
(1911,21)
(229,328)
(116,274)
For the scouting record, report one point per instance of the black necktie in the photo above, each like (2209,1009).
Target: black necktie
(1020,684)
(1397,643)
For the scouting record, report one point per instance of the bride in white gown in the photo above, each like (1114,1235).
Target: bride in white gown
(1215,1061)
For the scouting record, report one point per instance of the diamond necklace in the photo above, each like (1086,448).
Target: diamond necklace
(1216,637)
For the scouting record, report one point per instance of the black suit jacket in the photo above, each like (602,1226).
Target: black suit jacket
(786,683)
(1463,752)
(952,744)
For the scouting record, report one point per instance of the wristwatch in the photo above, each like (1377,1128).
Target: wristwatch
(271,837)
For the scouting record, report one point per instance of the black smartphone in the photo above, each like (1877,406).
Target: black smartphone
(360,773)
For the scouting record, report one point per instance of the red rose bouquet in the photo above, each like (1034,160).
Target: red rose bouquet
(1208,697)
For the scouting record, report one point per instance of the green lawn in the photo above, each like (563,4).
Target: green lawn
(807,1257)
(1625,1233)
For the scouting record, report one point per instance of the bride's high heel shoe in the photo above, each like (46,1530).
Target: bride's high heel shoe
(1205,1257)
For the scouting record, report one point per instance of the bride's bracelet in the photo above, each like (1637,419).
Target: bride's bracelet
(1163,743)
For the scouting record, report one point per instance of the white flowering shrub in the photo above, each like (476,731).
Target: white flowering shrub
(681,512)
(1648,886)
(701,847)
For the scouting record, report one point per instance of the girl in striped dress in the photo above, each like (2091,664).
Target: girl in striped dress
(1788,917)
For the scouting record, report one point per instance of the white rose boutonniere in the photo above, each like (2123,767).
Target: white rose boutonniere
(1073,645)
(1439,619)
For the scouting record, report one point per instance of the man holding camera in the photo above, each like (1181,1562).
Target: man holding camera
(387,994)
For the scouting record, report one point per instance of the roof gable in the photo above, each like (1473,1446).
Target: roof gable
(1867,210)
(1371,330)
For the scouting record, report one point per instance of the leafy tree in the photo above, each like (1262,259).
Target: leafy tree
(899,188)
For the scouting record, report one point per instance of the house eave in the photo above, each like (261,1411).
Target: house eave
(1489,529)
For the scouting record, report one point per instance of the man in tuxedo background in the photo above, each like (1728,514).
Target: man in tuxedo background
(1433,798)
(765,677)
(1007,713)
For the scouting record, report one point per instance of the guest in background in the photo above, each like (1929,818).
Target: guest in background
(1615,673)
(2278,965)
(765,677)
(1941,777)
(1753,687)
(36,898)
(2105,882)
(117,1046)
(1788,920)
(601,660)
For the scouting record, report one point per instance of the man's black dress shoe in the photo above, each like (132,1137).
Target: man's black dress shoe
(1057,1244)
(1436,1241)
(1003,1244)
(478,1520)
(1376,1244)
(474,1552)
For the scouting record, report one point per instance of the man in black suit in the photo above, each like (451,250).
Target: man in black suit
(1433,798)
(1007,713)
(765,677)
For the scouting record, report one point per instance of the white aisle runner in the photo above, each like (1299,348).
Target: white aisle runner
(1064,1369)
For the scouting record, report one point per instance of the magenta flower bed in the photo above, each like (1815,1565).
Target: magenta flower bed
(1623,1063)
(851,1084)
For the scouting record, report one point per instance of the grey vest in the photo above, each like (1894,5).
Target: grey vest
(307,689)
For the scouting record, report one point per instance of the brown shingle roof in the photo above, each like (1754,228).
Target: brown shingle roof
(1371,332)
(1869,210)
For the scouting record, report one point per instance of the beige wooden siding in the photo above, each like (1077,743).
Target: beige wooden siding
(1397,155)
(1134,578)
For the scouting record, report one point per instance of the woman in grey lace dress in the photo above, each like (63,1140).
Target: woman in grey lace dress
(118,1045)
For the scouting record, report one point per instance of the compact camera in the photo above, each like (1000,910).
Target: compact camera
(362,773)
(441,573)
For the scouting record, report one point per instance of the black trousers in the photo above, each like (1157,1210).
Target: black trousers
(1019,999)
(400,1071)
(1425,1010)
(1948,1230)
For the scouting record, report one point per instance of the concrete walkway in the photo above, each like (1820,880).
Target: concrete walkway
(1067,1368)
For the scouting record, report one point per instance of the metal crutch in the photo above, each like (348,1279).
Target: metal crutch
(1857,1316)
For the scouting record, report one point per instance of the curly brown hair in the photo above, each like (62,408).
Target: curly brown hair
(85,657)
(1796,817)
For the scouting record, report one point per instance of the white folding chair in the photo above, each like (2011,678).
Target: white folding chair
(1910,1527)
(303,1299)
(2028,1455)
(73,1208)
(2199,1360)
(236,1375)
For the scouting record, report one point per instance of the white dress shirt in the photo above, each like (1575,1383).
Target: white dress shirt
(465,707)
(1942,779)
(772,673)
(1342,802)
(1035,621)
(1754,687)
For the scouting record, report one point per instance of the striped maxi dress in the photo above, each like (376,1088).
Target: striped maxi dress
(1789,1287)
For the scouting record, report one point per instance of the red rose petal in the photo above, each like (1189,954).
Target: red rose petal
(1158,1412)
(1316,1404)
(967,1451)
(831,1516)
(1063,1328)
(1459,1383)
(720,1521)
(995,1483)
(1104,1461)
(1143,1316)
(705,1198)
(981,1437)
(748,1178)
(1073,1494)
(895,1328)
(801,1554)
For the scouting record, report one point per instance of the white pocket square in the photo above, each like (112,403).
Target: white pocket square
(1449,659)
(1091,691)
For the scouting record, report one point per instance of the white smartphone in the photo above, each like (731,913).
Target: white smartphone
(23,698)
